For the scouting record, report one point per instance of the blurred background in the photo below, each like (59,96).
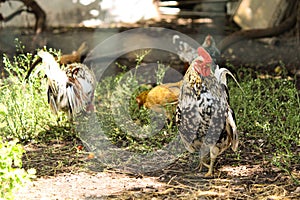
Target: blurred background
(252,33)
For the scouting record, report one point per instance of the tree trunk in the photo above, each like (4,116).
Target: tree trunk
(286,25)
(39,14)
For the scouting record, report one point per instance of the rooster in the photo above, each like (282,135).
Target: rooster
(205,120)
(168,93)
(71,89)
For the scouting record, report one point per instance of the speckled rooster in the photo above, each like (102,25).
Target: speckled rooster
(70,88)
(205,120)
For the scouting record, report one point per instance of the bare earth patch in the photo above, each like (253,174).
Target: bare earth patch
(85,185)
(63,172)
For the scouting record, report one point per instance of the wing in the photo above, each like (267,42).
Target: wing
(80,87)
(187,116)
(201,111)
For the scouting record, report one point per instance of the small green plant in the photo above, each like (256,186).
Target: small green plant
(24,111)
(12,176)
(127,125)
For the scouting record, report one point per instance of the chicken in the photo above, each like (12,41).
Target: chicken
(205,120)
(71,89)
(210,46)
(141,98)
(168,93)
(160,96)
(187,53)
(75,56)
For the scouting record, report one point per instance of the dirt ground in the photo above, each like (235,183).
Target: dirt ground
(65,172)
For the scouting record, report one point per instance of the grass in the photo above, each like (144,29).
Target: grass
(126,124)
(12,176)
(24,111)
(267,114)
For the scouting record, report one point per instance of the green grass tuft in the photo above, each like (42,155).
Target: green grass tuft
(267,114)
(24,111)
(127,125)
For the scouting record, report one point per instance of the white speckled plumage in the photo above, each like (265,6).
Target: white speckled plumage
(70,89)
(205,120)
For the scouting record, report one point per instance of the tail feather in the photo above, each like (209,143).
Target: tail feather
(52,102)
(235,138)
(74,103)
(52,69)
(220,74)
(185,51)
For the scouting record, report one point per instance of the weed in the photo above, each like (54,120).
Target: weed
(12,177)
(24,111)
(268,113)
(127,125)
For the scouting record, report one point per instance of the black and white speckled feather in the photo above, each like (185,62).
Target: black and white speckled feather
(205,120)
(70,89)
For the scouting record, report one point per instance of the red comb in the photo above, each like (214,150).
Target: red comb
(202,52)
